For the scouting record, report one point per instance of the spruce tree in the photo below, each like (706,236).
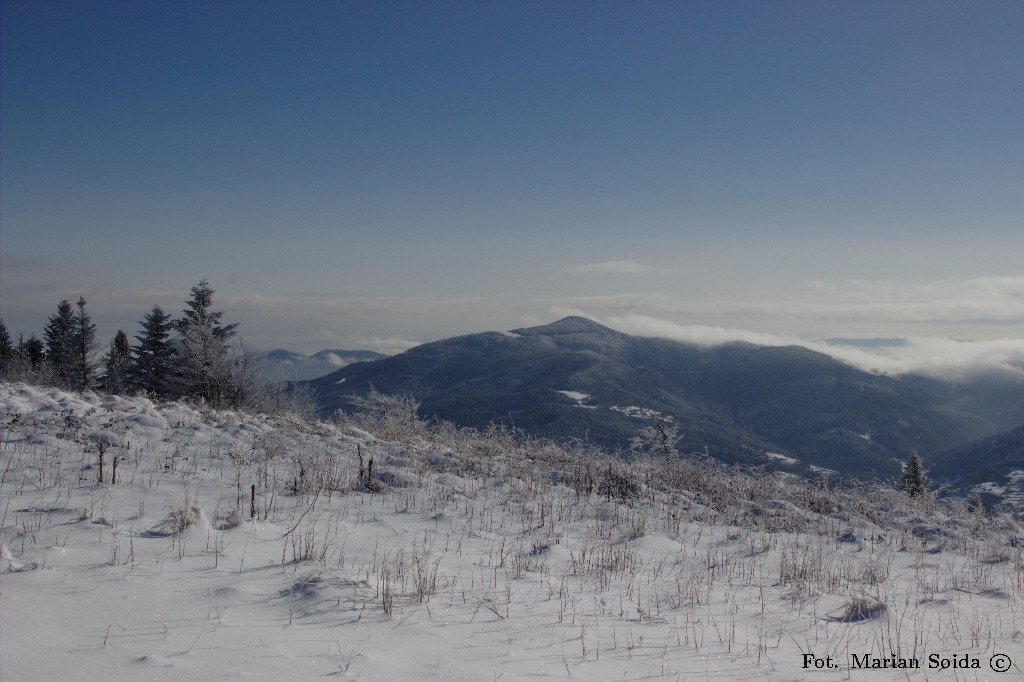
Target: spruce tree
(152,365)
(914,480)
(34,352)
(198,313)
(6,349)
(84,347)
(118,359)
(205,365)
(59,334)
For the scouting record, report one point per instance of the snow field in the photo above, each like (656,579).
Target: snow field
(466,558)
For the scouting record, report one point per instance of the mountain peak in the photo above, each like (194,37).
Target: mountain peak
(574,324)
(282,354)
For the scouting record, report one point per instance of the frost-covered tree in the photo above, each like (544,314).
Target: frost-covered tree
(118,360)
(153,363)
(202,364)
(220,373)
(59,334)
(660,439)
(198,313)
(914,480)
(206,365)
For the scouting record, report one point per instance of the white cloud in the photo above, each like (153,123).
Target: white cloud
(334,360)
(941,357)
(701,335)
(608,267)
(985,307)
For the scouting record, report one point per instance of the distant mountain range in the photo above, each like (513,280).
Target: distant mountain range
(286,365)
(781,407)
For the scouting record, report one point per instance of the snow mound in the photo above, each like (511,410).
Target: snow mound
(9,565)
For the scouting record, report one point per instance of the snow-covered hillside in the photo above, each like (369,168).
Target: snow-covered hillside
(218,545)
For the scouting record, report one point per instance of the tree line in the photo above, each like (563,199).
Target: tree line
(195,356)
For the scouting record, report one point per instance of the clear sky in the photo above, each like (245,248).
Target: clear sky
(378,174)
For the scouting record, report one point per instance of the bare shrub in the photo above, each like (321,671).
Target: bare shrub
(389,417)
(177,520)
(860,608)
(875,570)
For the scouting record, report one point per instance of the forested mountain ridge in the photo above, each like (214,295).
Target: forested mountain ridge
(742,403)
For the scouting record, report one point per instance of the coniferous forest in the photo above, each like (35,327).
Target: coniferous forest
(195,356)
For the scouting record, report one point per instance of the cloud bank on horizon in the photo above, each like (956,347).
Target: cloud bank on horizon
(951,327)
(931,356)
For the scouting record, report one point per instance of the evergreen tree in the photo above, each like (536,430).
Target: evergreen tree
(6,348)
(34,352)
(198,313)
(914,480)
(152,365)
(59,334)
(205,365)
(118,359)
(18,366)
(84,346)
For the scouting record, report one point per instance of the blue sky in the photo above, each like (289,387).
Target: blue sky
(377,174)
